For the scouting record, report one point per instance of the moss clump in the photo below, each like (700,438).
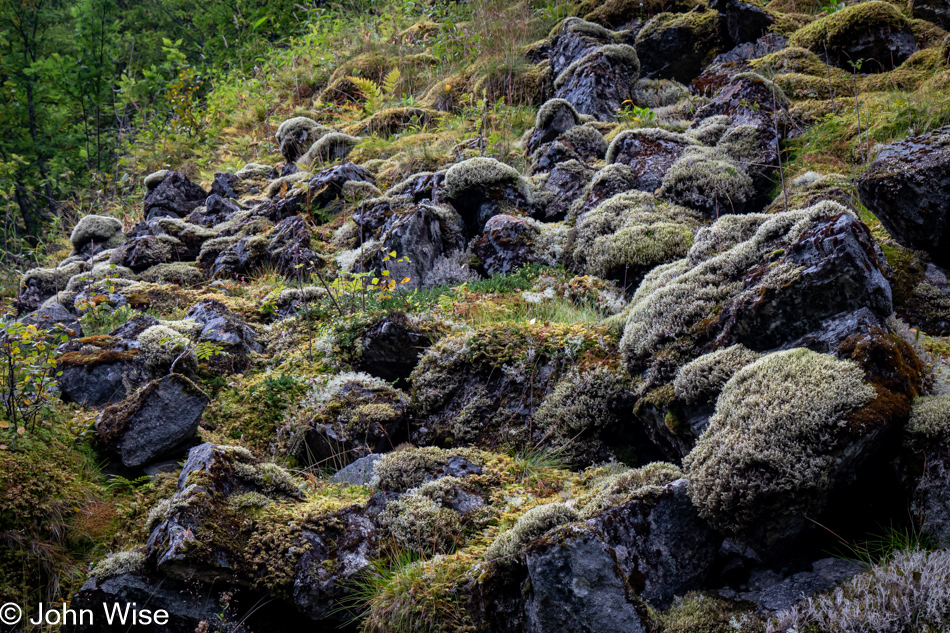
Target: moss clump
(395,120)
(631,233)
(703,24)
(103,230)
(614,489)
(842,28)
(618,13)
(811,188)
(422,521)
(550,109)
(698,613)
(161,346)
(406,469)
(294,125)
(344,417)
(178,273)
(330,147)
(620,55)
(530,526)
(766,456)
(476,173)
(277,187)
(700,381)
(710,129)
(708,180)
(155,178)
(118,563)
(254,171)
(929,424)
(584,400)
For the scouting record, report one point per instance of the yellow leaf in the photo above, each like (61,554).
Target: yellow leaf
(385,273)
(404,281)
(21,430)
(392,253)
(4,424)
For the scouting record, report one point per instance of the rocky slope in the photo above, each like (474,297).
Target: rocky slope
(648,383)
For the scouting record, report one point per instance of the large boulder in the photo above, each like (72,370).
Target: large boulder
(598,83)
(479,188)
(741,21)
(678,45)
(554,117)
(96,233)
(557,189)
(649,152)
(93,370)
(571,40)
(222,327)
(907,187)
(509,242)
(391,347)
(582,142)
(875,34)
(285,246)
(936,11)
(174,197)
(156,421)
(294,136)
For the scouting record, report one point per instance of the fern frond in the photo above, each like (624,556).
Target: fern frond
(371,91)
(390,82)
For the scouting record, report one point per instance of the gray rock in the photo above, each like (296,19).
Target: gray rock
(563,185)
(931,500)
(598,83)
(649,153)
(776,593)
(743,22)
(507,244)
(93,385)
(223,326)
(678,48)
(576,587)
(53,314)
(174,197)
(158,420)
(360,472)
(907,187)
(392,347)
(186,609)
(936,11)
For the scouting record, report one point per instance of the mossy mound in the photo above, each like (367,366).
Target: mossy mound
(395,120)
(628,235)
(178,273)
(618,13)
(763,461)
(709,181)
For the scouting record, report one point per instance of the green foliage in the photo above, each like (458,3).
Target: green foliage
(102,318)
(27,376)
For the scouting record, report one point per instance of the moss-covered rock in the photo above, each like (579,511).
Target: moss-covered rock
(599,82)
(618,13)
(343,418)
(678,45)
(295,135)
(876,32)
(481,187)
(179,273)
(395,120)
(100,232)
(709,181)
(630,234)
(328,148)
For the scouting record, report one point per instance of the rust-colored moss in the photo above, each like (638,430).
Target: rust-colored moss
(92,358)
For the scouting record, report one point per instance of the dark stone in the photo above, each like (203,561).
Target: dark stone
(598,83)
(907,188)
(392,347)
(573,40)
(824,574)
(678,51)
(360,472)
(930,499)
(841,273)
(649,156)
(741,21)
(217,209)
(327,186)
(52,317)
(506,245)
(559,118)
(224,185)
(186,608)
(225,328)
(936,11)
(285,245)
(581,143)
(565,183)
(156,421)
(418,187)
(93,385)
(175,197)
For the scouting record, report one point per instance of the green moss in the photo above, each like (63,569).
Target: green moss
(841,28)
(698,613)
(707,179)
(478,174)
(406,469)
(710,129)
(275,188)
(105,231)
(529,527)
(583,400)
(929,425)
(331,146)
(155,178)
(161,346)
(631,233)
(254,171)
(614,489)
(421,521)
(294,125)
(701,22)
(179,273)
(766,456)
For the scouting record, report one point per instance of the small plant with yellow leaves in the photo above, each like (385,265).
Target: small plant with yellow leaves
(27,376)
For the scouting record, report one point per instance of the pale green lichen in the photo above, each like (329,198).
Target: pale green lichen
(267,476)
(700,381)
(406,469)
(329,147)
(768,454)
(582,400)
(101,229)
(118,563)
(549,108)
(658,93)
(842,28)
(358,190)
(529,527)
(710,129)
(709,180)
(420,520)
(254,171)
(614,489)
(929,424)
(632,232)
(479,173)
(161,346)
(277,186)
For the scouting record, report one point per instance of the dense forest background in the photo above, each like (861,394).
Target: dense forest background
(85,80)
